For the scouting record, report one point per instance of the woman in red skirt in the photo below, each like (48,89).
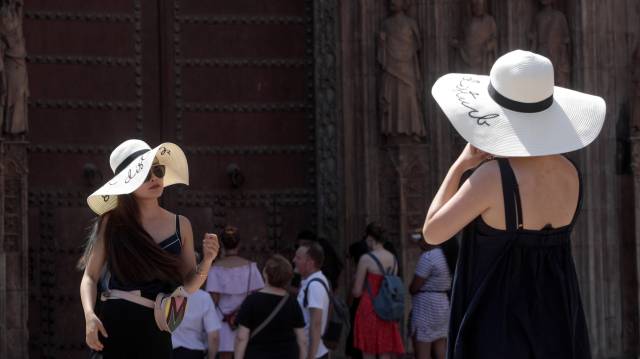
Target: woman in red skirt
(372,335)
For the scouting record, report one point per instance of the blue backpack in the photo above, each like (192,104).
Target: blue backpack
(389,303)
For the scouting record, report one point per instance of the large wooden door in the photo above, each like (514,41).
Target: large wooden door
(230,81)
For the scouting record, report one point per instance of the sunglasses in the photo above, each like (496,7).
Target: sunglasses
(157,170)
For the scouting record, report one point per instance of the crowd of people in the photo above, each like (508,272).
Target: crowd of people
(511,293)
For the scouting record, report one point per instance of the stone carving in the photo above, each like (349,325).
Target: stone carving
(550,37)
(13,67)
(479,48)
(635,93)
(327,111)
(401,88)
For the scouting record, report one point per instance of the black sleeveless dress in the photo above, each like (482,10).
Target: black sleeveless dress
(132,329)
(515,292)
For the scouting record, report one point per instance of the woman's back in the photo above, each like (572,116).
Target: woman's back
(549,188)
(388,261)
(516,290)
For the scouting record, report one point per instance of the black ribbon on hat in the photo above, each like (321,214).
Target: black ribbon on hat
(127,161)
(526,107)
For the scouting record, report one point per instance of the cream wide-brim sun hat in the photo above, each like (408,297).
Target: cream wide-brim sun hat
(517,111)
(131,162)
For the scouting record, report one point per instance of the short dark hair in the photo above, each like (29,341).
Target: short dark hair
(315,252)
(229,237)
(279,271)
(375,231)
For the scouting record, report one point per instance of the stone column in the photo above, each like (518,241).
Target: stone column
(14,294)
(635,166)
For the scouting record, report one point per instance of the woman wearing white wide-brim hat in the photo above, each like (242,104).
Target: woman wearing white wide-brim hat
(138,250)
(515,293)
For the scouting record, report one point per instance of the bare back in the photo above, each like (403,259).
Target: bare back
(385,257)
(549,190)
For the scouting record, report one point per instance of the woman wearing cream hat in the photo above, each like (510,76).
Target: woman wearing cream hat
(137,251)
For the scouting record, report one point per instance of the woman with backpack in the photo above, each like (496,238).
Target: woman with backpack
(373,335)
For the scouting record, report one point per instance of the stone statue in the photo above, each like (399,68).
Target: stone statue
(13,69)
(401,90)
(635,93)
(479,49)
(550,37)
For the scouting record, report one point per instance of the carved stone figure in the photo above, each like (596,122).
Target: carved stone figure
(398,47)
(635,93)
(479,48)
(13,67)
(550,37)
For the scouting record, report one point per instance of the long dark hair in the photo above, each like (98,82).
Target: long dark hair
(132,255)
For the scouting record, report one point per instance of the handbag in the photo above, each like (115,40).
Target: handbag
(168,309)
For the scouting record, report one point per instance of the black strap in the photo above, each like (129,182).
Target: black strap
(511,194)
(518,106)
(129,159)
(178,227)
(305,302)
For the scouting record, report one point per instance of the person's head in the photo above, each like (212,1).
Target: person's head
(478,7)
(153,186)
(229,238)
(309,259)
(517,109)
(277,271)
(141,171)
(374,234)
(397,6)
(139,174)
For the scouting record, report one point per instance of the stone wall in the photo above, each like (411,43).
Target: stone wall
(603,36)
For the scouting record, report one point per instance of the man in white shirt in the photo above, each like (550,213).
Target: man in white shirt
(198,331)
(313,297)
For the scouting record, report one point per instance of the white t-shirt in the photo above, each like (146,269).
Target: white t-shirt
(199,320)
(316,298)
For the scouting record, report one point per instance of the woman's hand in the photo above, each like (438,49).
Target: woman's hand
(471,157)
(210,247)
(93,325)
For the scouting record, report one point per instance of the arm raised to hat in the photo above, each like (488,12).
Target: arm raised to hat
(455,206)
(196,275)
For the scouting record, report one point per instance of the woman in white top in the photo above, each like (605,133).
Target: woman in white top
(231,279)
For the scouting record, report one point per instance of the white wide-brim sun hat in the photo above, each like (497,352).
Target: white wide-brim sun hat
(131,162)
(517,111)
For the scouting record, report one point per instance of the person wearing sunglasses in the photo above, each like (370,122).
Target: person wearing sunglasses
(137,250)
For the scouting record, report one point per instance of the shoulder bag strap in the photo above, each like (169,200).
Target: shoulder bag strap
(305,302)
(375,259)
(275,311)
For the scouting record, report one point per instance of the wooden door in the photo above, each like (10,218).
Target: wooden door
(229,81)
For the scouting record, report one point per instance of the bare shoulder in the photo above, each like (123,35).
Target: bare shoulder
(184,221)
(485,178)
